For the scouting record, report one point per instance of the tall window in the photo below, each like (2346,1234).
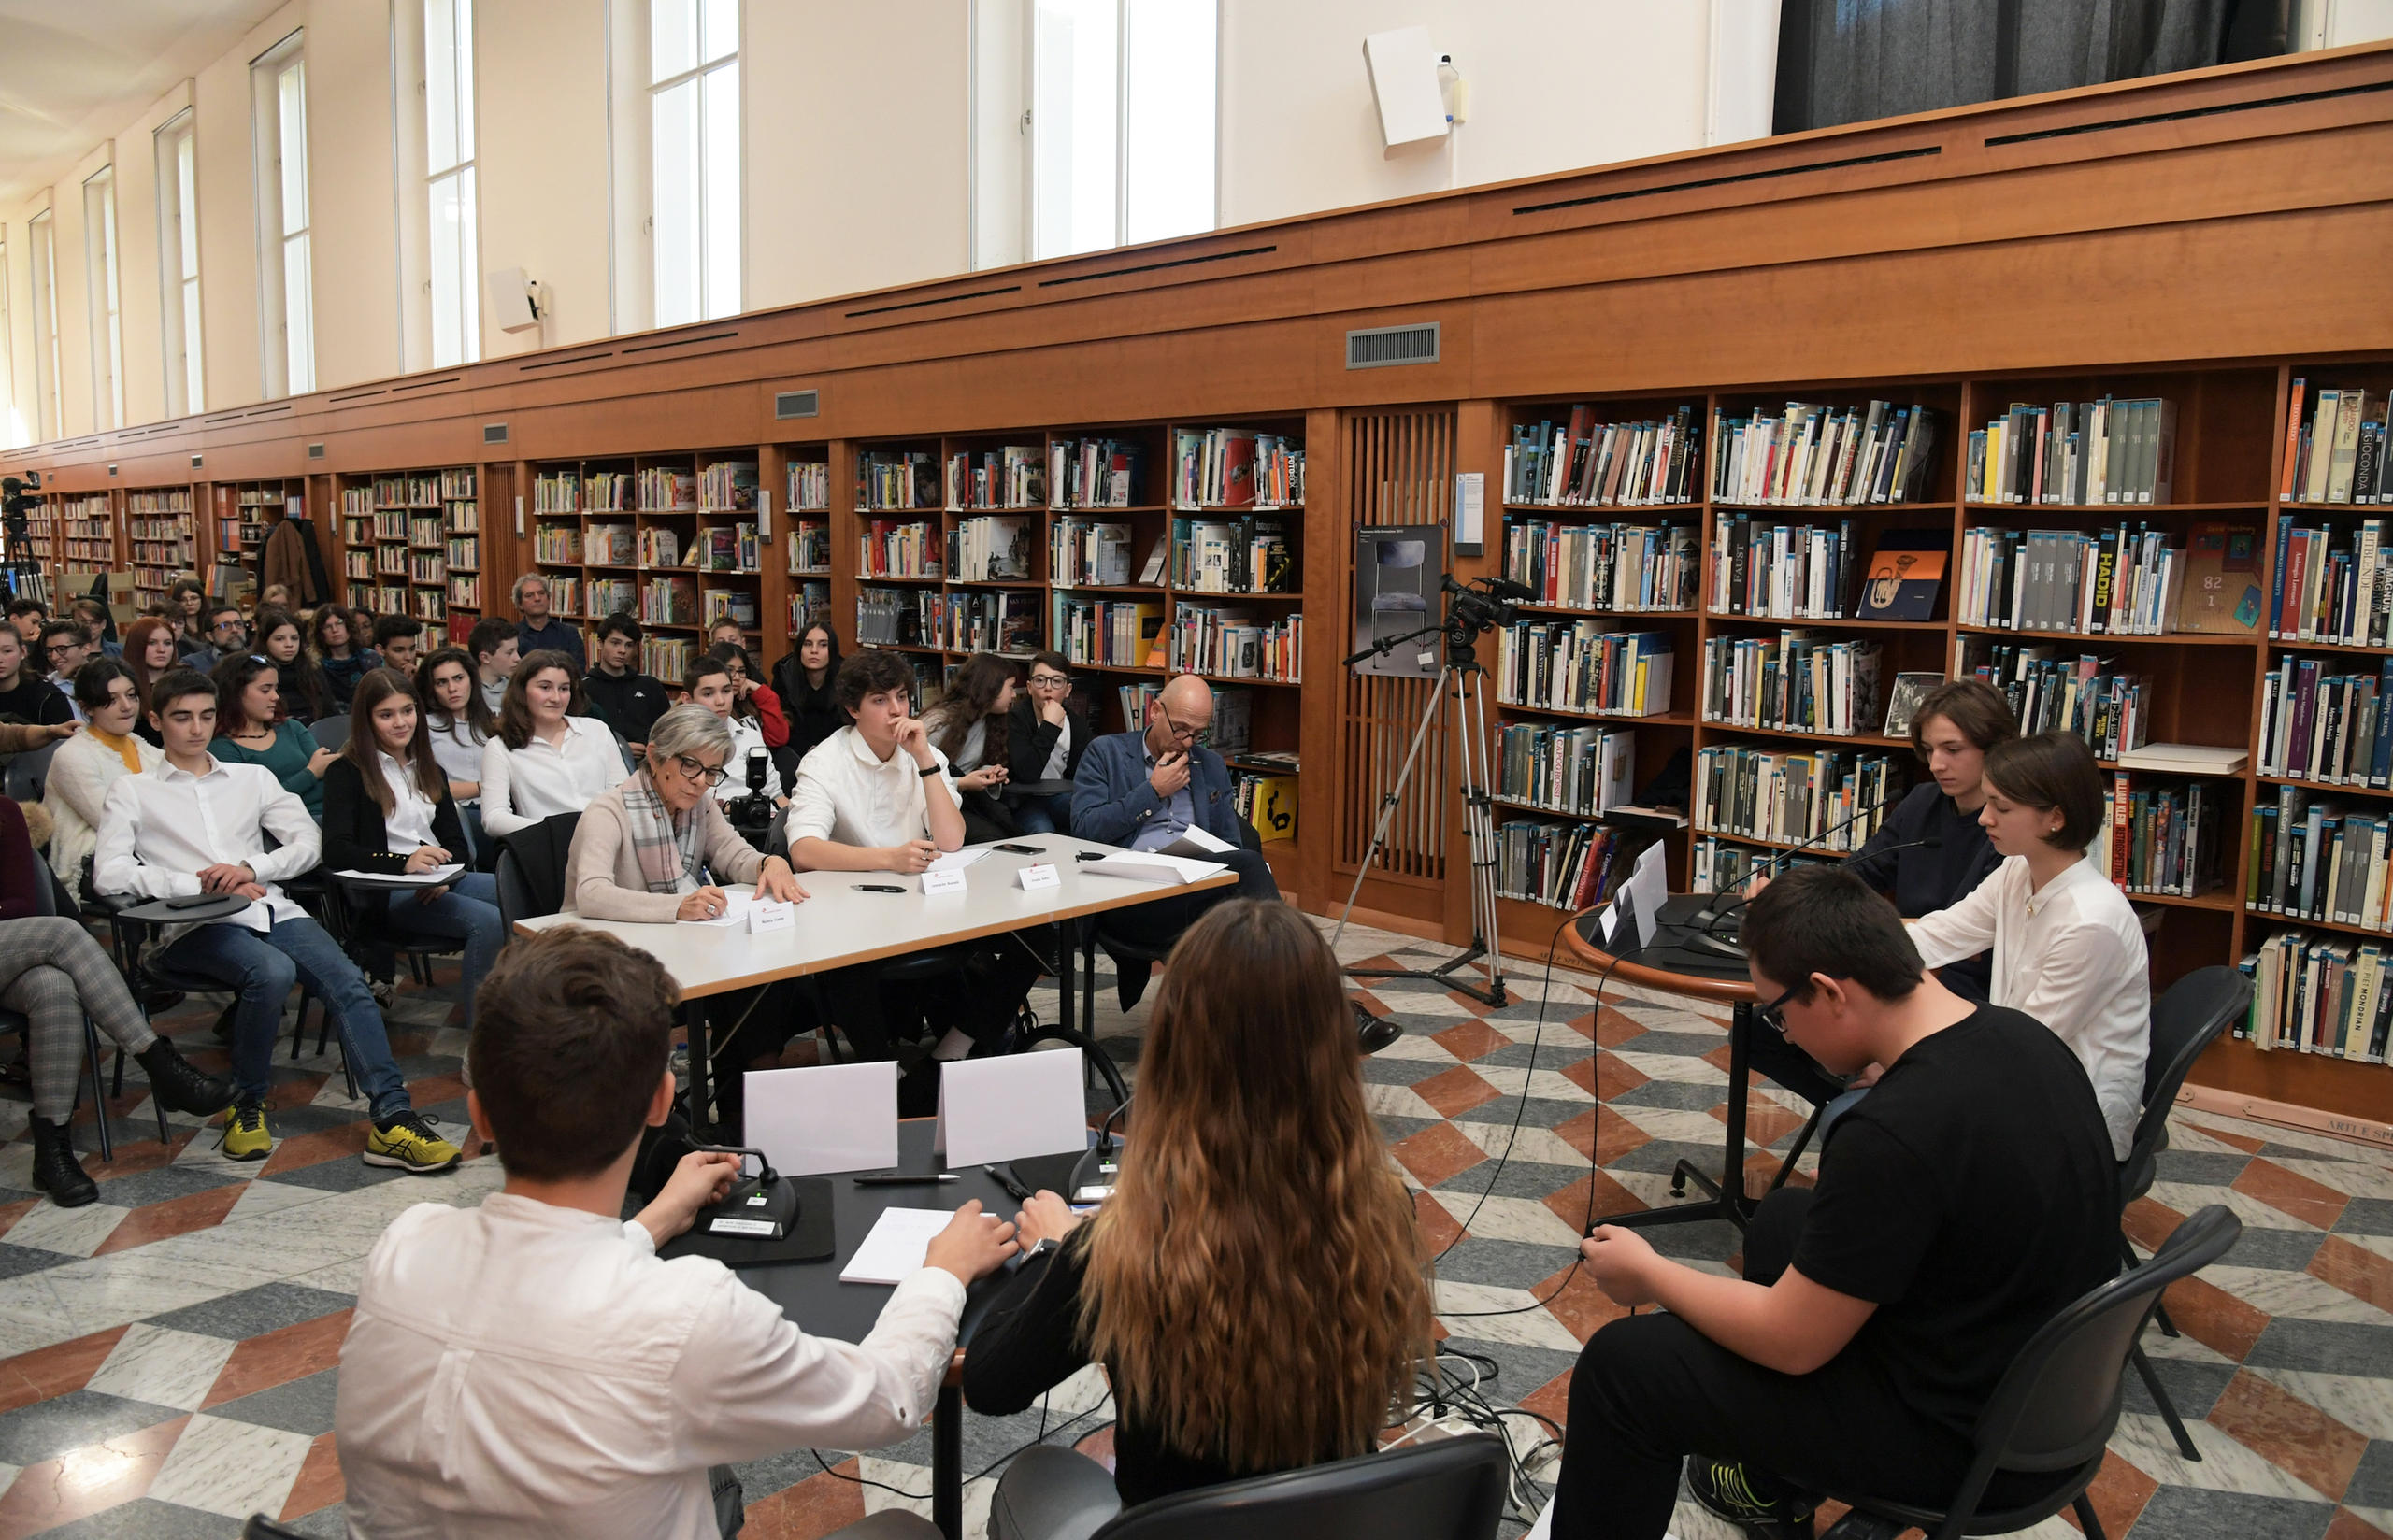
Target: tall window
(694,149)
(45,240)
(105,306)
(1121,120)
(12,420)
(179,265)
(286,298)
(449,167)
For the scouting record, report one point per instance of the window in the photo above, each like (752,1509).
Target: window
(12,421)
(286,299)
(106,311)
(179,265)
(694,150)
(448,165)
(45,260)
(1121,121)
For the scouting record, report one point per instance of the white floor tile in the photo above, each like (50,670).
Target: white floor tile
(165,1367)
(2144,1441)
(236,1469)
(70,1232)
(1496,1218)
(1532,1327)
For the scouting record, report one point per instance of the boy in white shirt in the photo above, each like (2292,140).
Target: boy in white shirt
(531,1368)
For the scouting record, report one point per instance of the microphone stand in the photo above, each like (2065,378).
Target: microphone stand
(1705,921)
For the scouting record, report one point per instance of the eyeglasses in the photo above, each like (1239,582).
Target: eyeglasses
(1773,1014)
(1052,681)
(1180,733)
(710,775)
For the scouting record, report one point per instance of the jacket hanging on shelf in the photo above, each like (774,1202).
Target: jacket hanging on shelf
(292,556)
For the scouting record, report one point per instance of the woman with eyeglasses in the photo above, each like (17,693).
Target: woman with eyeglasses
(1044,741)
(251,728)
(752,700)
(547,759)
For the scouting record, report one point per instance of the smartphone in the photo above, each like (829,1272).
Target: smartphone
(875,888)
(1022,849)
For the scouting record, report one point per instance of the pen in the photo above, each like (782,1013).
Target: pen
(1006,1179)
(902,1178)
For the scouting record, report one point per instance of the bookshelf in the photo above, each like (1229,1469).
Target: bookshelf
(87,539)
(806,534)
(242,514)
(161,541)
(410,544)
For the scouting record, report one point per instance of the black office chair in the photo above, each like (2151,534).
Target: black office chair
(2058,1403)
(1450,1490)
(262,1528)
(331,732)
(26,774)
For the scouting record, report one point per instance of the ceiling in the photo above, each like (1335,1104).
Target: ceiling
(75,72)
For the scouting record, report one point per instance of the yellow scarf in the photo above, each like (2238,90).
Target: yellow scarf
(127,749)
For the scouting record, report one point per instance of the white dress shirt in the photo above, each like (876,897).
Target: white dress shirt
(409,824)
(747,733)
(458,749)
(160,828)
(519,1370)
(846,795)
(523,786)
(2072,956)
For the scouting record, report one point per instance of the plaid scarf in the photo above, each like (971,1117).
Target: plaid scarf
(665,843)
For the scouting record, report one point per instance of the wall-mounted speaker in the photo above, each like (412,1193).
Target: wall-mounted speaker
(1403,67)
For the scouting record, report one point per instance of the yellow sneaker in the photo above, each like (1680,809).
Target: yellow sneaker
(246,1135)
(408,1143)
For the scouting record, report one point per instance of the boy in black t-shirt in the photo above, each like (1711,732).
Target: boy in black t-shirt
(1960,1205)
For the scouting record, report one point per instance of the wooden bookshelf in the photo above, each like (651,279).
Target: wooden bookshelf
(161,541)
(87,540)
(411,542)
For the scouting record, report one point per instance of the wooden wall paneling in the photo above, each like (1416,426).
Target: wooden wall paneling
(1478,446)
(845,524)
(772,561)
(500,483)
(1328,610)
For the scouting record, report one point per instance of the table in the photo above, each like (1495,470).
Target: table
(839,926)
(811,1294)
(1664,965)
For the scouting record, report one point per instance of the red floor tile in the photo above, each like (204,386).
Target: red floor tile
(1098,1445)
(158,1221)
(2314,1203)
(2243,1142)
(88,1481)
(1437,1153)
(2118,1493)
(1578,1304)
(1571,1204)
(346,1142)
(11,1213)
(2349,1525)
(2355,1270)
(1612,1029)
(1455,1092)
(810,1509)
(2289,1433)
(1604,1074)
(2148,1223)
(1438,1229)
(319,1482)
(54,1371)
(1469,1040)
(279,1357)
(2214,1318)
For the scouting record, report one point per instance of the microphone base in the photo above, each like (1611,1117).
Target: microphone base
(1713,946)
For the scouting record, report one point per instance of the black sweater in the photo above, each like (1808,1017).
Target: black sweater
(357,840)
(813,714)
(1923,880)
(629,701)
(1030,739)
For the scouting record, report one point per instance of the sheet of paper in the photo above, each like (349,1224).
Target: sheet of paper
(1647,887)
(432,878)
(893,1252)
(1154,867)
(955,861)
(1609,918)
(1196,842)
(1014,1106)
(735,913)
(829,1118)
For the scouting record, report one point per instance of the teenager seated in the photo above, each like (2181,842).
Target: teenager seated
(94,616)
(67,647)
(25,697)
(306,693)
(54,974)
(548,758)
(150,647)
(1145,789)
(461,724)
(27,617)
(399,638)
(969,727)
(807,682)
(618,693)
(492,646)
(876,796)
(1045,742)
(251,728)
(598,1382)
(388,810)
(1300,1329)
(1960,1205)
(341,655)
(754,700)
(710,684)
(2067,950)
(83,768)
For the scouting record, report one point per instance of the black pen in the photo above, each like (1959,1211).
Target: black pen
(901,1178)
(1012,1183)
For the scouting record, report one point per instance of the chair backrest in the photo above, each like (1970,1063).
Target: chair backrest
(2058,1403)
(331,732)
(2196,1009)
(531,868)
(27,773)
(262,1528)
(1450,1490)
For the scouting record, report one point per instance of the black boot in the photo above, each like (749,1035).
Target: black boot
(181,1085)
(56,1171)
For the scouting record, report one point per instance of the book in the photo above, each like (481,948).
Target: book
(2186,758)
(1902,577)
(1904,698)
(2221,589)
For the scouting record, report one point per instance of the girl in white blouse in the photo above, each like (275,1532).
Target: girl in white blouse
(2067,950)
(546,760)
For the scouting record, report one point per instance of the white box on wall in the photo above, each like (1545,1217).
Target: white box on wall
(1403,67)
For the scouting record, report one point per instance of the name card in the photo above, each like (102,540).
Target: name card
(1041,876)
(942,882)
(766,914)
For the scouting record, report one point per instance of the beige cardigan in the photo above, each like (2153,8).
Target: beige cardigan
(601,877)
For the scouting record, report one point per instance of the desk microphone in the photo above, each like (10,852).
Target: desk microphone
(1708,942)
(1706,917)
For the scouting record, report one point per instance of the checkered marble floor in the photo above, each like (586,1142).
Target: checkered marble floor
(167,1355)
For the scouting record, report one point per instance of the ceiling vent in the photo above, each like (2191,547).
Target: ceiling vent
(1377,347)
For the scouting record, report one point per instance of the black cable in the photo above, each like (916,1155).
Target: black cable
(923,1497)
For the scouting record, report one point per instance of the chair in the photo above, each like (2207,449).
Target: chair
(262,1528)
(331,732)
(531,868)
(46,894)
(26,774)
(2058,1403)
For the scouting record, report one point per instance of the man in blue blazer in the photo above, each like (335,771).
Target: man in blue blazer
(1143,791)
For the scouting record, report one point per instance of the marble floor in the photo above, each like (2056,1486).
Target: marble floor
(167,1355)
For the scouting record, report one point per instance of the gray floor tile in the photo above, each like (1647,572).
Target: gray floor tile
(2324,1346)
(254,1311)
(150,1520)
(48,1429)
(2192,1513)
(2371,1484)
(16,1260)
(299,1406)
(2203,1167)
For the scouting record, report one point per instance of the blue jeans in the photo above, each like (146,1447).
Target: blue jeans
(466,913)
(1044,815)
(480,851)
(262,967)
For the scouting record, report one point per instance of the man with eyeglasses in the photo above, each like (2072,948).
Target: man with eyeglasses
(1145,789)
(67,647)
(1044,742)
(1966,1202)
(226,637)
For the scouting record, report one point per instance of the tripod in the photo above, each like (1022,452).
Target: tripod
(1462,672)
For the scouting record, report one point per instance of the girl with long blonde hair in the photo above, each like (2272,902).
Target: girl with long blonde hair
(1256,1287)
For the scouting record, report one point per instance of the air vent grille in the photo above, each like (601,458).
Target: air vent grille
(494,433)
(1377,347)
(315,452)
(789,403)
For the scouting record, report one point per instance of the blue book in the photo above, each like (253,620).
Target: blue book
(2380,763)
(2276,599)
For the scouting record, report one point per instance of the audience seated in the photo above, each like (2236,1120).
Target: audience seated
(492,646)
(807,682)
(399,638)
(2067,950)
(461,724)
(88,763)
(710,684)
(752,697)
(1305,1319)
(95,619)
(198,824)
(539,631)
(618,693)
(301,685)
(968,726)
(225,637)
(388,809)
(186,602)
(1045,742)
(341,655)
(25,697)
(252,728)
(1969,1197)
(27,617)
(150,653)
(622,1378)
(1145,789)
(547,759)
(67,647)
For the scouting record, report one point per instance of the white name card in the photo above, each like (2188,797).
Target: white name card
(1041,876)
(1011,1106)
(767,914)
(942,882)
(829,1118)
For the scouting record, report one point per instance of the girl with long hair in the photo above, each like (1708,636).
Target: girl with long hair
(388,809)
(252,729)
(806,681)
(150,650)
(547,759)
(340,652)
(1255,1286)
(306,696)
(969,725)
(185,600)
(460,722)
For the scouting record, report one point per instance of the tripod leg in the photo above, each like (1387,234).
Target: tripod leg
(1470,723)
(1387,806)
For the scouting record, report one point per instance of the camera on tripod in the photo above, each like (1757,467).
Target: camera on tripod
(751,816)
(1483,604)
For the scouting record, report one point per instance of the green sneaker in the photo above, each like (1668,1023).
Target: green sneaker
(246,1135)
(1764,1508)
(408,1143)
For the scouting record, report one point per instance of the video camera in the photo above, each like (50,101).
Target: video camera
(751,816)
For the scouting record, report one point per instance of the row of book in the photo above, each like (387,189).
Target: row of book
(464,591)
(2333,586)
(1237,646)
(1251,555)
(1617,568)
(557,491)
(886,548)
(564,595)
(1561,865)
(1792,682)
(895,617)
(1813,454)
(607,492)
(737,606)
(2109,450)
(1580,666)
(1724,866)
(2334,728)
(1008,477)
(668,658)
(1096,473)
(1583,463)
(898,479)
(612,596)
(610,545)
(423,529)
(658,548)
(809,601)
(1081,551)
(994,621)
(2163,838)
(1119,633)
(2117,581)
(1235,468)
(2313,993)
(463,515)
(810,547)
(1581,770)
(668,600)
(2334,447)
(407,492)
(1792,796)
(665,490)
(466,551)
(1780,573)
(985,549)
(728,486)
(810,487)
(457,481)
(2312,857)
(2084,694)
(1267,801)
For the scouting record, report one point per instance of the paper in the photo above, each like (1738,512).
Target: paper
(937,881)
(735,913)
(1011,1106)
(954,860)
(1041,876)
(1470,512)
(830,1117)
(1194,841)
(893,1252)
(432,878)
(1154,867)
(1607,918)
(765,914)
(1646,889)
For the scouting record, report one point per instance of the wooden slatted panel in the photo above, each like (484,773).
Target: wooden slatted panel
(1398,470)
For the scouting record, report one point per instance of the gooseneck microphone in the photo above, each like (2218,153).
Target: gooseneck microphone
(1709,941)
(1709,916)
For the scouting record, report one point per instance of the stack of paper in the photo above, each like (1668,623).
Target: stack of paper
(893,1252)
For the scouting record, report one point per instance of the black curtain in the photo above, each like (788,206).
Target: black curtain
(1849,61)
